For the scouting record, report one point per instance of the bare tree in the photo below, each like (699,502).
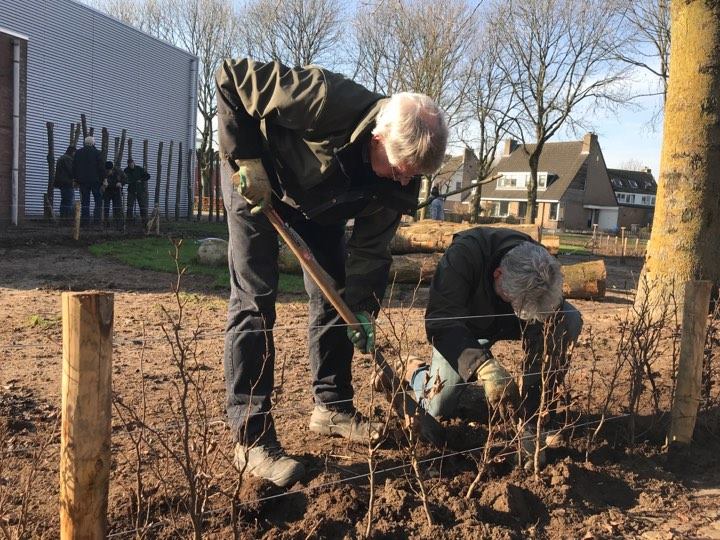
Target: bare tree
(648,46)
(490,106)
(294,32)
(560,56)
(417,45)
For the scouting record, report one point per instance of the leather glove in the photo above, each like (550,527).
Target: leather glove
(252,182)
(363,336)
(498,384)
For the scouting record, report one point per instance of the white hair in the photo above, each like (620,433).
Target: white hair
(532,280)
(89,141)
(414,131)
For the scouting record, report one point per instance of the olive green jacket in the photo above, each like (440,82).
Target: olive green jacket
(305,122)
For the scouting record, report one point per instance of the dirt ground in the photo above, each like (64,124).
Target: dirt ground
(594,486)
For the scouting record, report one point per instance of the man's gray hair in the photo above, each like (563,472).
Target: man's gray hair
(89,141)
(414,131)
(532,280)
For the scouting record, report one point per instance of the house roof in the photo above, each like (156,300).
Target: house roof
(632,181)
(561,160)
(451,166)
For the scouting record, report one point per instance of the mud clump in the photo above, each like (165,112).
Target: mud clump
(589,489)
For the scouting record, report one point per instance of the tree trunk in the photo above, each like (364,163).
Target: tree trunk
(684,242)
(430,236)
(584,280)
(532,186)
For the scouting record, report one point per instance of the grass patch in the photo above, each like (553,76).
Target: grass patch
(38,321)
(155,253)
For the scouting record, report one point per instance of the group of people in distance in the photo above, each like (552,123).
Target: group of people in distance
(87,170)
(321,149)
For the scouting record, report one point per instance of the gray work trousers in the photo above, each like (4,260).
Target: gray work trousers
(249,359)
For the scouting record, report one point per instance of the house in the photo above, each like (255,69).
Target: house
(60,59)
(635,192)
(456,173)
(574,189)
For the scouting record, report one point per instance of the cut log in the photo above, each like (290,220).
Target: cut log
(429,236)
(414,267)
(585,281)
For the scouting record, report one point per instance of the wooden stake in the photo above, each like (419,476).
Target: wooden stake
(145,154)
(129,142)
(178,182)
(190,177)
(76,137)
(83,122)
(216,159)
(115,150)
(91,131)
(76,233)
(689,370)
(105,143)
(72,134)
(167,181)
(158,176)
(637,243)
(211,189)
(200,188)
(87,319)
(51,168)
(121,149)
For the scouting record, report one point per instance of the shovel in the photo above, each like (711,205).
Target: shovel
(401,400)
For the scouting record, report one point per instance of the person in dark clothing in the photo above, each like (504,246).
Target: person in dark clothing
(437,204)
(494,284)
(137,190)
(65,182)
(89,172)
(320,149)
(112,194)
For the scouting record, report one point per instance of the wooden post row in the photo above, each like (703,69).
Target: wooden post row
(87,319)
(689,370)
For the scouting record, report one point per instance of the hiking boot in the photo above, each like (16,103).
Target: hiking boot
(344,424)
(268,461)
(528,440)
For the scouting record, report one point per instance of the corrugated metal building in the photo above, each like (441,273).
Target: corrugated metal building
(74,59)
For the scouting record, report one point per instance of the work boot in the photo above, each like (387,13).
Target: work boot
(268,461)
(528,440)
(344,424)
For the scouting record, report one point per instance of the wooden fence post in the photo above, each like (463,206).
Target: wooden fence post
(190,178)
(51,169)
(216,158)
(87,319)
(178,182)
(76,232)
(167,181)
(211,189)
(689,370)
(83,122)
(105,143)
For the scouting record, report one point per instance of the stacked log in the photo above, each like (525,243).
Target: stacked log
(586,281)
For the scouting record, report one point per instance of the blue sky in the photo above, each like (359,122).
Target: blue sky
(631,134)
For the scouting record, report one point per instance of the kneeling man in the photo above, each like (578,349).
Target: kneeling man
(495,284)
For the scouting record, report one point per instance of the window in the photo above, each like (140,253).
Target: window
(501,209)
(542,180)
(616,182)
(630,198)
(652,199)
(555,212)
(458,185)
(522,209)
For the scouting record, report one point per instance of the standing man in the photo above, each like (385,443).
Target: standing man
(320,149)
(137,182)
(65,182)
(89,169)
(112,194)
(495,284)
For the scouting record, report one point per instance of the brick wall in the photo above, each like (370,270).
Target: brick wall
(6,126)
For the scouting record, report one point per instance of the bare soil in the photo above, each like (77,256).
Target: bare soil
(599,488)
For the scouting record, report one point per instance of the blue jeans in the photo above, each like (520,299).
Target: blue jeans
(67,201)
(85,191)
(566,331)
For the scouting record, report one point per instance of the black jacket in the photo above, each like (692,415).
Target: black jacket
(64,173)
(115,175)
(463,287)
(310,127)
(89,166)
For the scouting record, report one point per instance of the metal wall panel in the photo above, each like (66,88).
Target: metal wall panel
(82,61)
